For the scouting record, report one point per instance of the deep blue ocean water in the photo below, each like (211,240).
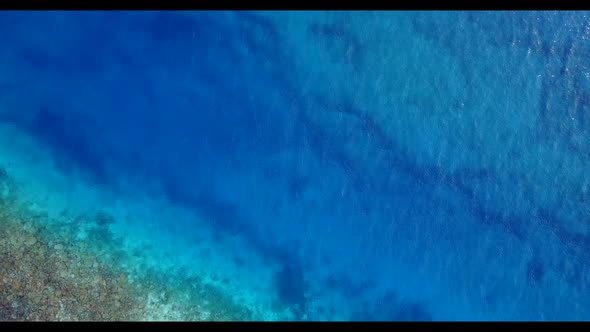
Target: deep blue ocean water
(385,166)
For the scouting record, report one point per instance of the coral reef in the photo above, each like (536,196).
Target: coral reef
(47,274)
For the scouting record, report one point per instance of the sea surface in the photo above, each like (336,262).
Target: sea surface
(301,165)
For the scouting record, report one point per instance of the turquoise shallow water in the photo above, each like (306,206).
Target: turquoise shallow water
(318,165)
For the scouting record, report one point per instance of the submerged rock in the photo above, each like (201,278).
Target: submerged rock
(290,285)
(4,185)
